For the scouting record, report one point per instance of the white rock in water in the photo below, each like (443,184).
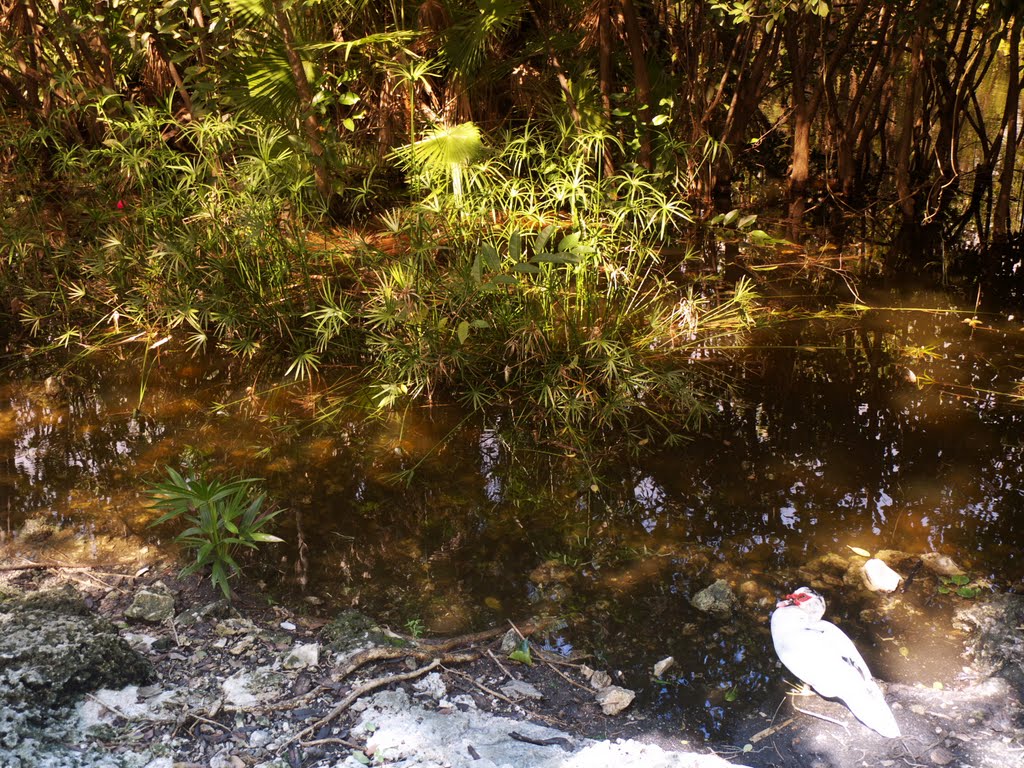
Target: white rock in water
(661,666)
(879,577)
(614,699)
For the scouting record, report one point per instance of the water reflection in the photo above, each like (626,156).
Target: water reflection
(831,448)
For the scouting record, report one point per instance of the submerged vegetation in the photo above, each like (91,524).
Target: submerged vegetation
(494,202)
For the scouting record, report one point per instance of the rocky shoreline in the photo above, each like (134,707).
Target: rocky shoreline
(132,668)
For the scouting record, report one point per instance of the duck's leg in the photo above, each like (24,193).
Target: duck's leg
(815,714)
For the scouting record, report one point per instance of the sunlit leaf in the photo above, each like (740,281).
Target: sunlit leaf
(859,551)
(522,653)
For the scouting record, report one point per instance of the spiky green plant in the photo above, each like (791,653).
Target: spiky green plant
(223,517)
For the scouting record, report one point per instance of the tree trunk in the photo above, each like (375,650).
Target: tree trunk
(310,125)
(800,52)
(908,123)
(604,42)
(641,77)
(1001,216)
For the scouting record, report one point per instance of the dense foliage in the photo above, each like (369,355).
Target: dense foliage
(474,199)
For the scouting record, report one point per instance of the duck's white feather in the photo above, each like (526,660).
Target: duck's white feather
(820,654)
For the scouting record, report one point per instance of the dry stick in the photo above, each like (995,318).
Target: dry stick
(504,698)
(388,654)
(59,566)
(567,679)
(481,686)
(365,688)
(333,740)
(770,731)
(500,665)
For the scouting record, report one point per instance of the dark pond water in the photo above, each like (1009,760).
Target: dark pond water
(832,445)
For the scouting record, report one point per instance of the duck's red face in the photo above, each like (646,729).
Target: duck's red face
(799,597)
(795,598)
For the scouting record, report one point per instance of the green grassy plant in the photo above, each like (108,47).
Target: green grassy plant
(520,274)
(223,518)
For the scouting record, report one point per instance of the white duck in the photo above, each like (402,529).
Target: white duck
(820,654)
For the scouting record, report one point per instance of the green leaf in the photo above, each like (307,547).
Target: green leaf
(522,653)
(731,217)
(490,256)
(968,592)
(348,98)
(463,331)
(266,537)
(544,236)
(556,258)
(731,694)
(569,242)
(349,123)
(360,757)
(659,120)
(515,246)
(526,268)
(504,280)
(960,579)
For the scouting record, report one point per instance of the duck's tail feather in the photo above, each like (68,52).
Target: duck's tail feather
(870,707)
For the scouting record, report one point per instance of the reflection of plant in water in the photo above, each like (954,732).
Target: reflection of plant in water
(224,516)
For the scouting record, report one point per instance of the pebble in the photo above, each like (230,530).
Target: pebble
(259,739)
(661,666)
(288,626)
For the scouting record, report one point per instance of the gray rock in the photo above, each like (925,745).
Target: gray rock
(432,685)
(942,565)
(53,650)
(302,655)
(518,689)
(154,604)
(717,600)
(600,679)
(404,734)
(259,739)
(996,643)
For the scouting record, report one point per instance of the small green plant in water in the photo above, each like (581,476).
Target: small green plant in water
(223,517)
(958,585)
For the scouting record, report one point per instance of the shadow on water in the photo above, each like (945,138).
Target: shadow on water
(884,433)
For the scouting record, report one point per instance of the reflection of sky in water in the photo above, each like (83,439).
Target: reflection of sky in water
(490,454)
(651,496)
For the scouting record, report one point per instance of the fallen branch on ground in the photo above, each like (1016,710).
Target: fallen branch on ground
(363,689)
